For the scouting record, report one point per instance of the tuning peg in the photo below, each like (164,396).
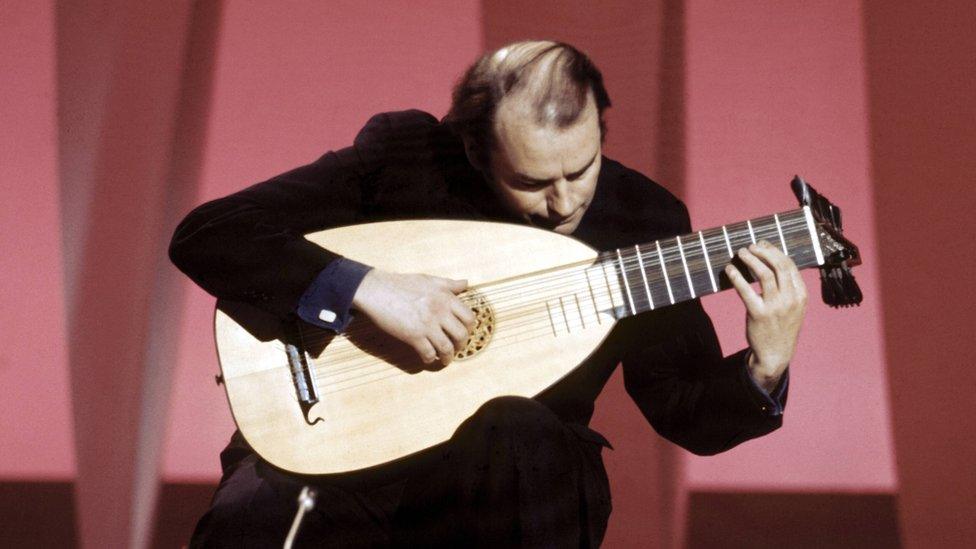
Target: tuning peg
(838,287)
(835,216)
(801,190)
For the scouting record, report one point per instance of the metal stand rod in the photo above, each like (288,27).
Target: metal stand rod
(306,502)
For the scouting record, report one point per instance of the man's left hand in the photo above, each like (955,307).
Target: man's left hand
(773,315)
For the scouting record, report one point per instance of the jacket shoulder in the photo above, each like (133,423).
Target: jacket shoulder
(643,204)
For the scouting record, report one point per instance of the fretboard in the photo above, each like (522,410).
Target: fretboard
(657,274)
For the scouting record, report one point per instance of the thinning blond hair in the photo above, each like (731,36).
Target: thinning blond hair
(556,77)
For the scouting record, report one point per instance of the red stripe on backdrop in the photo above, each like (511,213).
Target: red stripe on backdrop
(777,89)
(921,76)
(36,426)
(120,73)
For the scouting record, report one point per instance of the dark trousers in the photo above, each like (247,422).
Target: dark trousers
(513,475)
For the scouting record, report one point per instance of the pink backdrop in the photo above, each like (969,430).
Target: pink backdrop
(36,429)
(124,116)
(782,100)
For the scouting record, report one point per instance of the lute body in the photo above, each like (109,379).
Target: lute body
(375,399)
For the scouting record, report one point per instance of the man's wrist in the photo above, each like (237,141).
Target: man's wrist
(766,376)
(328,300)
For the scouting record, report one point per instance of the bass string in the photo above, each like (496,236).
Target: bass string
(534,307)
(504,315)
(561,295)
(569,275)
(340,364)
(541,329)
(534,313)
(669,252)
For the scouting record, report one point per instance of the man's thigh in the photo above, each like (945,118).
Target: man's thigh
(513,473)
(255,505)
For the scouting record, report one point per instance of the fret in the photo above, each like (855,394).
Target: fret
(655,279)
(812,227)
(580,311)
(624,276)
(782,240)
(552,323)
(664,271)
(788,232)
(727,243)
(647,287)
(802,250)
(563,309)
(614,309)
(740,235)
(698,264)
(606,279)
(589,286)
(718,247)
(752,235)
(684,263)
(708,264)
(633,262)
(677,276)
(657,290)
(765,229)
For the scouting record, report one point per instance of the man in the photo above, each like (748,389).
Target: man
(522,143)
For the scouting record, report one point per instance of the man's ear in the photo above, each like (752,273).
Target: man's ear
(474,154)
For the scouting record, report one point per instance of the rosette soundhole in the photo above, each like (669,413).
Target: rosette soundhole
(483,329)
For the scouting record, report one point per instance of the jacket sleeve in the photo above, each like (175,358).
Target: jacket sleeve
(688,392)
(676,374)
(249,246)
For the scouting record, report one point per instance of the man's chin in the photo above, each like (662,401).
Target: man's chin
(562,228)
(565,228)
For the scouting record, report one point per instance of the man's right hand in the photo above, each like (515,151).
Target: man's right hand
(420,310)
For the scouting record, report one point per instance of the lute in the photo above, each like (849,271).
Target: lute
(313,402)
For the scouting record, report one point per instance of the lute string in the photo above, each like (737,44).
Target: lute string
(497,342)
(527,283)
(533,309)
(568,278)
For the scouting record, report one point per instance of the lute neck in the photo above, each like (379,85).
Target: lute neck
(672,270)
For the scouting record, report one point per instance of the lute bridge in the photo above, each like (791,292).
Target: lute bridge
(303,377)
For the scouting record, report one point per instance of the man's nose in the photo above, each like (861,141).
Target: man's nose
(560,199)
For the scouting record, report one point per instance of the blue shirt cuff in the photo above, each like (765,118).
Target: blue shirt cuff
(327,301)
(771,403)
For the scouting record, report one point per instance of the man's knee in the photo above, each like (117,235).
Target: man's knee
(232,518)
(512,418)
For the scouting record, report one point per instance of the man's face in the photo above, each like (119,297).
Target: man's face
(545,175)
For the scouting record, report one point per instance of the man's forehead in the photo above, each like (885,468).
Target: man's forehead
(528,144)
(521,105)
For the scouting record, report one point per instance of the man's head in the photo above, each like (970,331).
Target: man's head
(531,118)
